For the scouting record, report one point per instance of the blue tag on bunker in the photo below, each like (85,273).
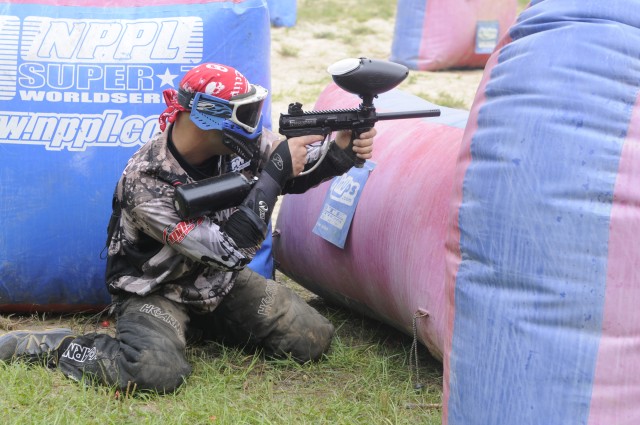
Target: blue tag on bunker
(487,33)
(340,204)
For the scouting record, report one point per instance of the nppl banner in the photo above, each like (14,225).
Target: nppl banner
(80,90)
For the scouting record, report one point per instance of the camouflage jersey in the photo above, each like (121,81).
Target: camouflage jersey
(151,250)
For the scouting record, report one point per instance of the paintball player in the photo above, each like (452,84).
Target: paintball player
(172,279)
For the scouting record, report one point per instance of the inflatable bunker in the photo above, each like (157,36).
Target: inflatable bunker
(392,263)
(542,274)
(513,244)
(80,90)
(432,35)
(283,12)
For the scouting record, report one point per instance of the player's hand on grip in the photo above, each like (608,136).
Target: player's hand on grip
(298,151)
(362,146)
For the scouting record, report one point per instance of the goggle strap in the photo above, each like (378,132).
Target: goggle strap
(244,95)
(185,98)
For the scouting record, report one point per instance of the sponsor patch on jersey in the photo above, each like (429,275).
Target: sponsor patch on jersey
(176,234)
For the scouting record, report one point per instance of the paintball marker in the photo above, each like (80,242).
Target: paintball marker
(365,77)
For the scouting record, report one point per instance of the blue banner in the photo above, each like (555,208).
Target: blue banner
(80,91)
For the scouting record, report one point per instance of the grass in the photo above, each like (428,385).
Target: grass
(365,379)
(289,51)
(326,35)
(328,11)
(448,100)
(522,4)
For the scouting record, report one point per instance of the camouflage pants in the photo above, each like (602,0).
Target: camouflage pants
(151,335)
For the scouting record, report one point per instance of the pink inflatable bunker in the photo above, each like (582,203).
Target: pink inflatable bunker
(433,35)
(542,265)
(392,266)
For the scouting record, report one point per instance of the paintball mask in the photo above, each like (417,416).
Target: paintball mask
(239,118)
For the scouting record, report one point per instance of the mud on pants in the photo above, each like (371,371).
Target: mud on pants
(148,351)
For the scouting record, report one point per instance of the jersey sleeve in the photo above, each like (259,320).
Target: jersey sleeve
(200,239)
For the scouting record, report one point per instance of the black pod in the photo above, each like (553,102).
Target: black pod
(209,195)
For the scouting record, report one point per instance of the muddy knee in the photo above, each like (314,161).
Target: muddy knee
(265,313)
(302,332)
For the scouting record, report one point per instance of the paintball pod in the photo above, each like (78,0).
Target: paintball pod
(205,196)
(365,77)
